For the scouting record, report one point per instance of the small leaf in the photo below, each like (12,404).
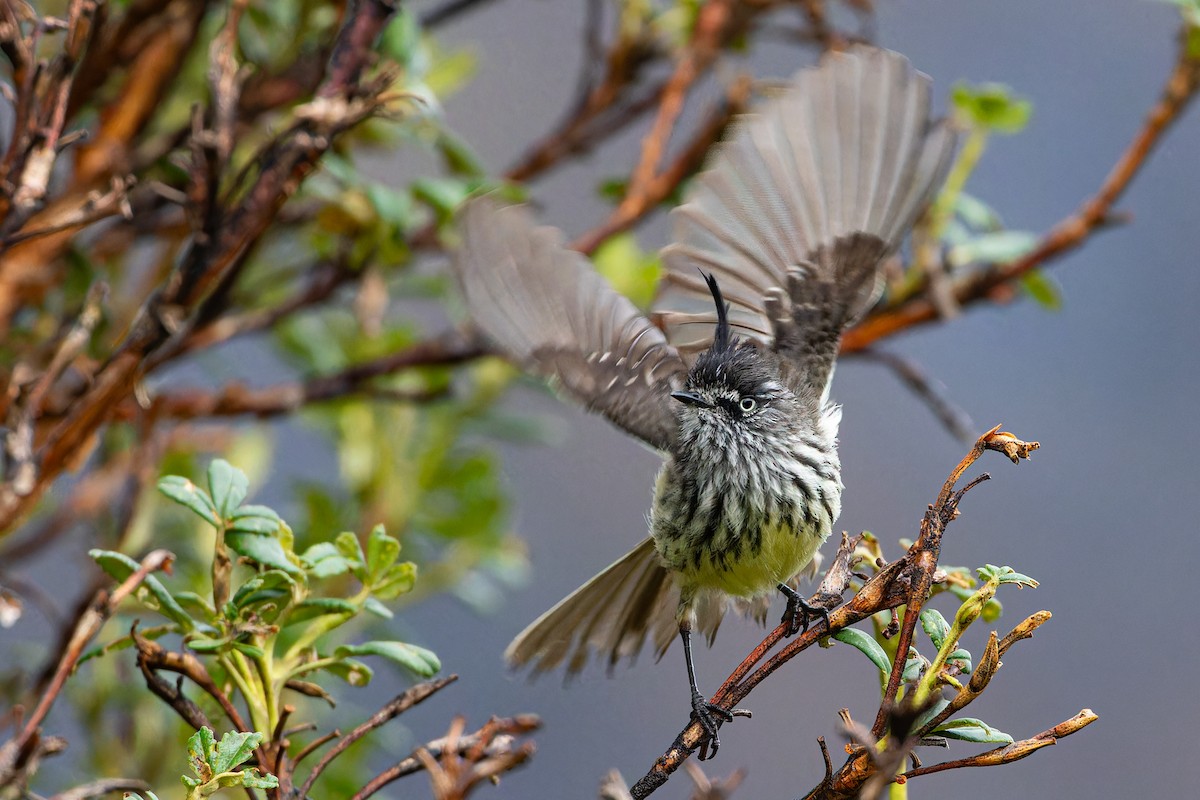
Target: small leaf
(969,729)
(938,706)
(991,106)
(382,551)
(205,644)
(201,747)
(865,644)
(348,545)
(399,579)
(234,748)
(377,608)
(319,607)
(935,626)
(999,247)
(914,665)
(350,670)
(961,659)
(151,592)
(228,486)
(248,649)
(265,550)
(1001,575)
(251,779)
(1042,288)
(189,495)
(417,659)
(249,519)
(324,561)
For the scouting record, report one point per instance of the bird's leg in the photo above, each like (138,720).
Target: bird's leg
(798,613)
(709,715)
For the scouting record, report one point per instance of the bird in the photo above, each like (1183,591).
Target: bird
(777,248)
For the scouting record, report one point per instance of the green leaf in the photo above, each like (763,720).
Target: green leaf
(961,659)
(382,551)
(348,545)
(914,665)
(999,247)
(248,649)
(416,659)
(265,550)
(152,593)
(632,272)
(377,608)
(251,779)
(938,706)
(969,729)
(324,561)
(443,195)
(458,156)
(397,580)
(191,496)
(201,747)
(867,645)
(264,585)
(1001,575)
(350,670)
(205,644)
(256,519)
(228,486)
(991,106)
(976,213)
(319,607)
(234,748)
(935,626)
(1042,288)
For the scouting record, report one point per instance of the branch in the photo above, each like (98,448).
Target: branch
(491,746)
(397,706)
(993,282)
(1011,752)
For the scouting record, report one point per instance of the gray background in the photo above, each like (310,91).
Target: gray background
(1103,515)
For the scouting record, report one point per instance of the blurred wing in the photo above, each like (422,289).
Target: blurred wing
(547,309)
(817,187)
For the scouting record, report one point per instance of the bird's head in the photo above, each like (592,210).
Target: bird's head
(733,390)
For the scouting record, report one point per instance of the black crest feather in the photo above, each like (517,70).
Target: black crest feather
(721,338)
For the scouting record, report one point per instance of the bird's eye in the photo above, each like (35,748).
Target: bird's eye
(748,404)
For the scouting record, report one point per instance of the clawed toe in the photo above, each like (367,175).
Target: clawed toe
(710,716)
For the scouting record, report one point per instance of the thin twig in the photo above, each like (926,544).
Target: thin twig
(398,705)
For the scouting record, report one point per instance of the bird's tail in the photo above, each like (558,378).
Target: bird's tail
(610,617)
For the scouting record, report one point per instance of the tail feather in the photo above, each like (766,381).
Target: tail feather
(610,618)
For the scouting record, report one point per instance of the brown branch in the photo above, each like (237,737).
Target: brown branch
(102,787)
(661,186)
(234,399)
(994,282)
(492,745)
(903,582)
(1011,752)
(398,705)
(153,656)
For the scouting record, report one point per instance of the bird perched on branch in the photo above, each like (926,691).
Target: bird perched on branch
(788,226)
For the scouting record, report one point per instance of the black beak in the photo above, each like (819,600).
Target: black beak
(691,399)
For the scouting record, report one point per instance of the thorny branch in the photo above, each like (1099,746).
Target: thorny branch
(904,582)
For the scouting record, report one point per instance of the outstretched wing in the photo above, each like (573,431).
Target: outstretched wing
(548,310)
(802,203)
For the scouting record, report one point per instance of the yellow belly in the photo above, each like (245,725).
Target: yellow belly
(784,553)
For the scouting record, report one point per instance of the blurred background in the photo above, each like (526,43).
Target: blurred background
(1103,516)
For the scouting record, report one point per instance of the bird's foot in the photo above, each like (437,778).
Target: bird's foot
(799,614)
(710,716)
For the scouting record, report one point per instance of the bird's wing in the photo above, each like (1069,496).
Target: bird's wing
(801,204)
(546,308)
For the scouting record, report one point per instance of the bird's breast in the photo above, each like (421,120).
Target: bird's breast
(742,524)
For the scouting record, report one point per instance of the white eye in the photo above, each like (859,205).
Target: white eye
(748,404)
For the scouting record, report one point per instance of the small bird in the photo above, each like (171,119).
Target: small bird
(788,225)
